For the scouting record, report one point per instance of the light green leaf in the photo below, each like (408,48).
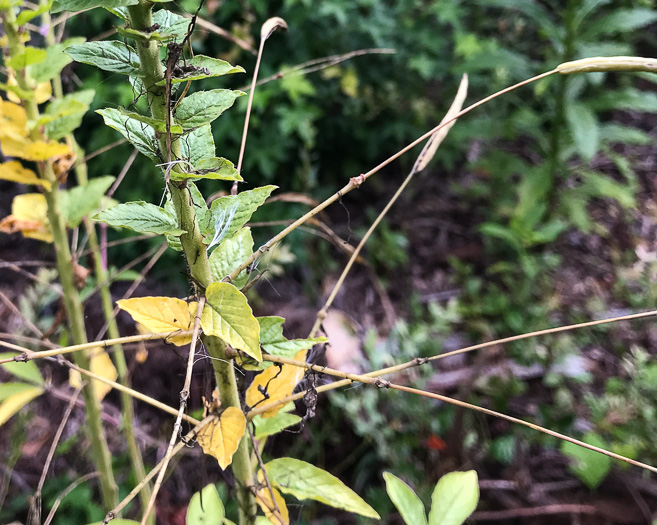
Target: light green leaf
(157,125)
(229,255)
(27,370)
(619,21)
(140,135)
(624,134)
(628,99)
(274,342)
(455,497)
(65,120)
(197,145)
(83,200)
(268,426)
(9,389)
(584,129)
(15,401)
(142,217)
(205,106)
(407,502)
(229,317)
(212,168)
(589,466)
(204,67)
(83,5)
(112,55)
(171,25)
(228,214)
(305,481)
(55,61)
(30,56)
(205,508)
(28,14)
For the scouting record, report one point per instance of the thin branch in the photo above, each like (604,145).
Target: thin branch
(142,275)
(27,355)
(66,492)
(420,361)
(184,396)
(355,182)
(190,435)
(128,390)
(382,383)
(34,515)
(33,277)
(209,26)
(20,314)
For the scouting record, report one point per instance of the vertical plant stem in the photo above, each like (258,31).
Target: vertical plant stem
(72,303)
(127,406)
(140,17)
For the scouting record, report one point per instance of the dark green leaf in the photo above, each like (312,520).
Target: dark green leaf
(140,135)
(113,56)
(204,67)
(205,106)
(83,5)
(141,217)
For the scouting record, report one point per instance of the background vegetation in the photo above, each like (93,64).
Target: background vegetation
(538,211)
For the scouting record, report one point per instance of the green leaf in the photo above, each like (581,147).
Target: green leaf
(55,60)
(589,466)
(628,99)
(80,201)
(30,56)
(27,371)
(197,145)
(83,5)
(204,67)
(64,117)
(455,497)
(584,129)
(404,498)
(205,106)
(228,214)
(230,318)
(9,389)
(212,168)
(205,508)
(305,481)
(268,426)
(624,134)
(118,522)
(112,55)
(171,25)
(156,124)
(141,217)
(274,342)
(28,14)
(140,135)
(229,255)
(619,21)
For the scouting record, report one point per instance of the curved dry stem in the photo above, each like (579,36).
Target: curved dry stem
(177,427)
(419,361)
(134,492)
(355,182)
(382,383)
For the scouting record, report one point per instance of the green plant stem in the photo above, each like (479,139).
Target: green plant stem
(140,17)
(72,303)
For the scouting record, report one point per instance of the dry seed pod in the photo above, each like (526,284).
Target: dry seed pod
(434,141)
(272,25)
(600,64)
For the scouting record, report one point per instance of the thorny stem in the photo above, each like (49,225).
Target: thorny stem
(140,17)
(71,299)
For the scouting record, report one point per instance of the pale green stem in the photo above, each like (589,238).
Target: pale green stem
(72,303)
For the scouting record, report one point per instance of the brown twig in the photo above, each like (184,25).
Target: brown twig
(184,396)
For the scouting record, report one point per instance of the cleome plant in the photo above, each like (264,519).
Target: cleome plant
(172,127)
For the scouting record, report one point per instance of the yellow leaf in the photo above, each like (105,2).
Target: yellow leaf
(15,402)
(100,364)
(41,150)
(161,314)
(15,171)
(13,120)
(221,438)
(277,382)
(29,216)
(42,93)
(279,516)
